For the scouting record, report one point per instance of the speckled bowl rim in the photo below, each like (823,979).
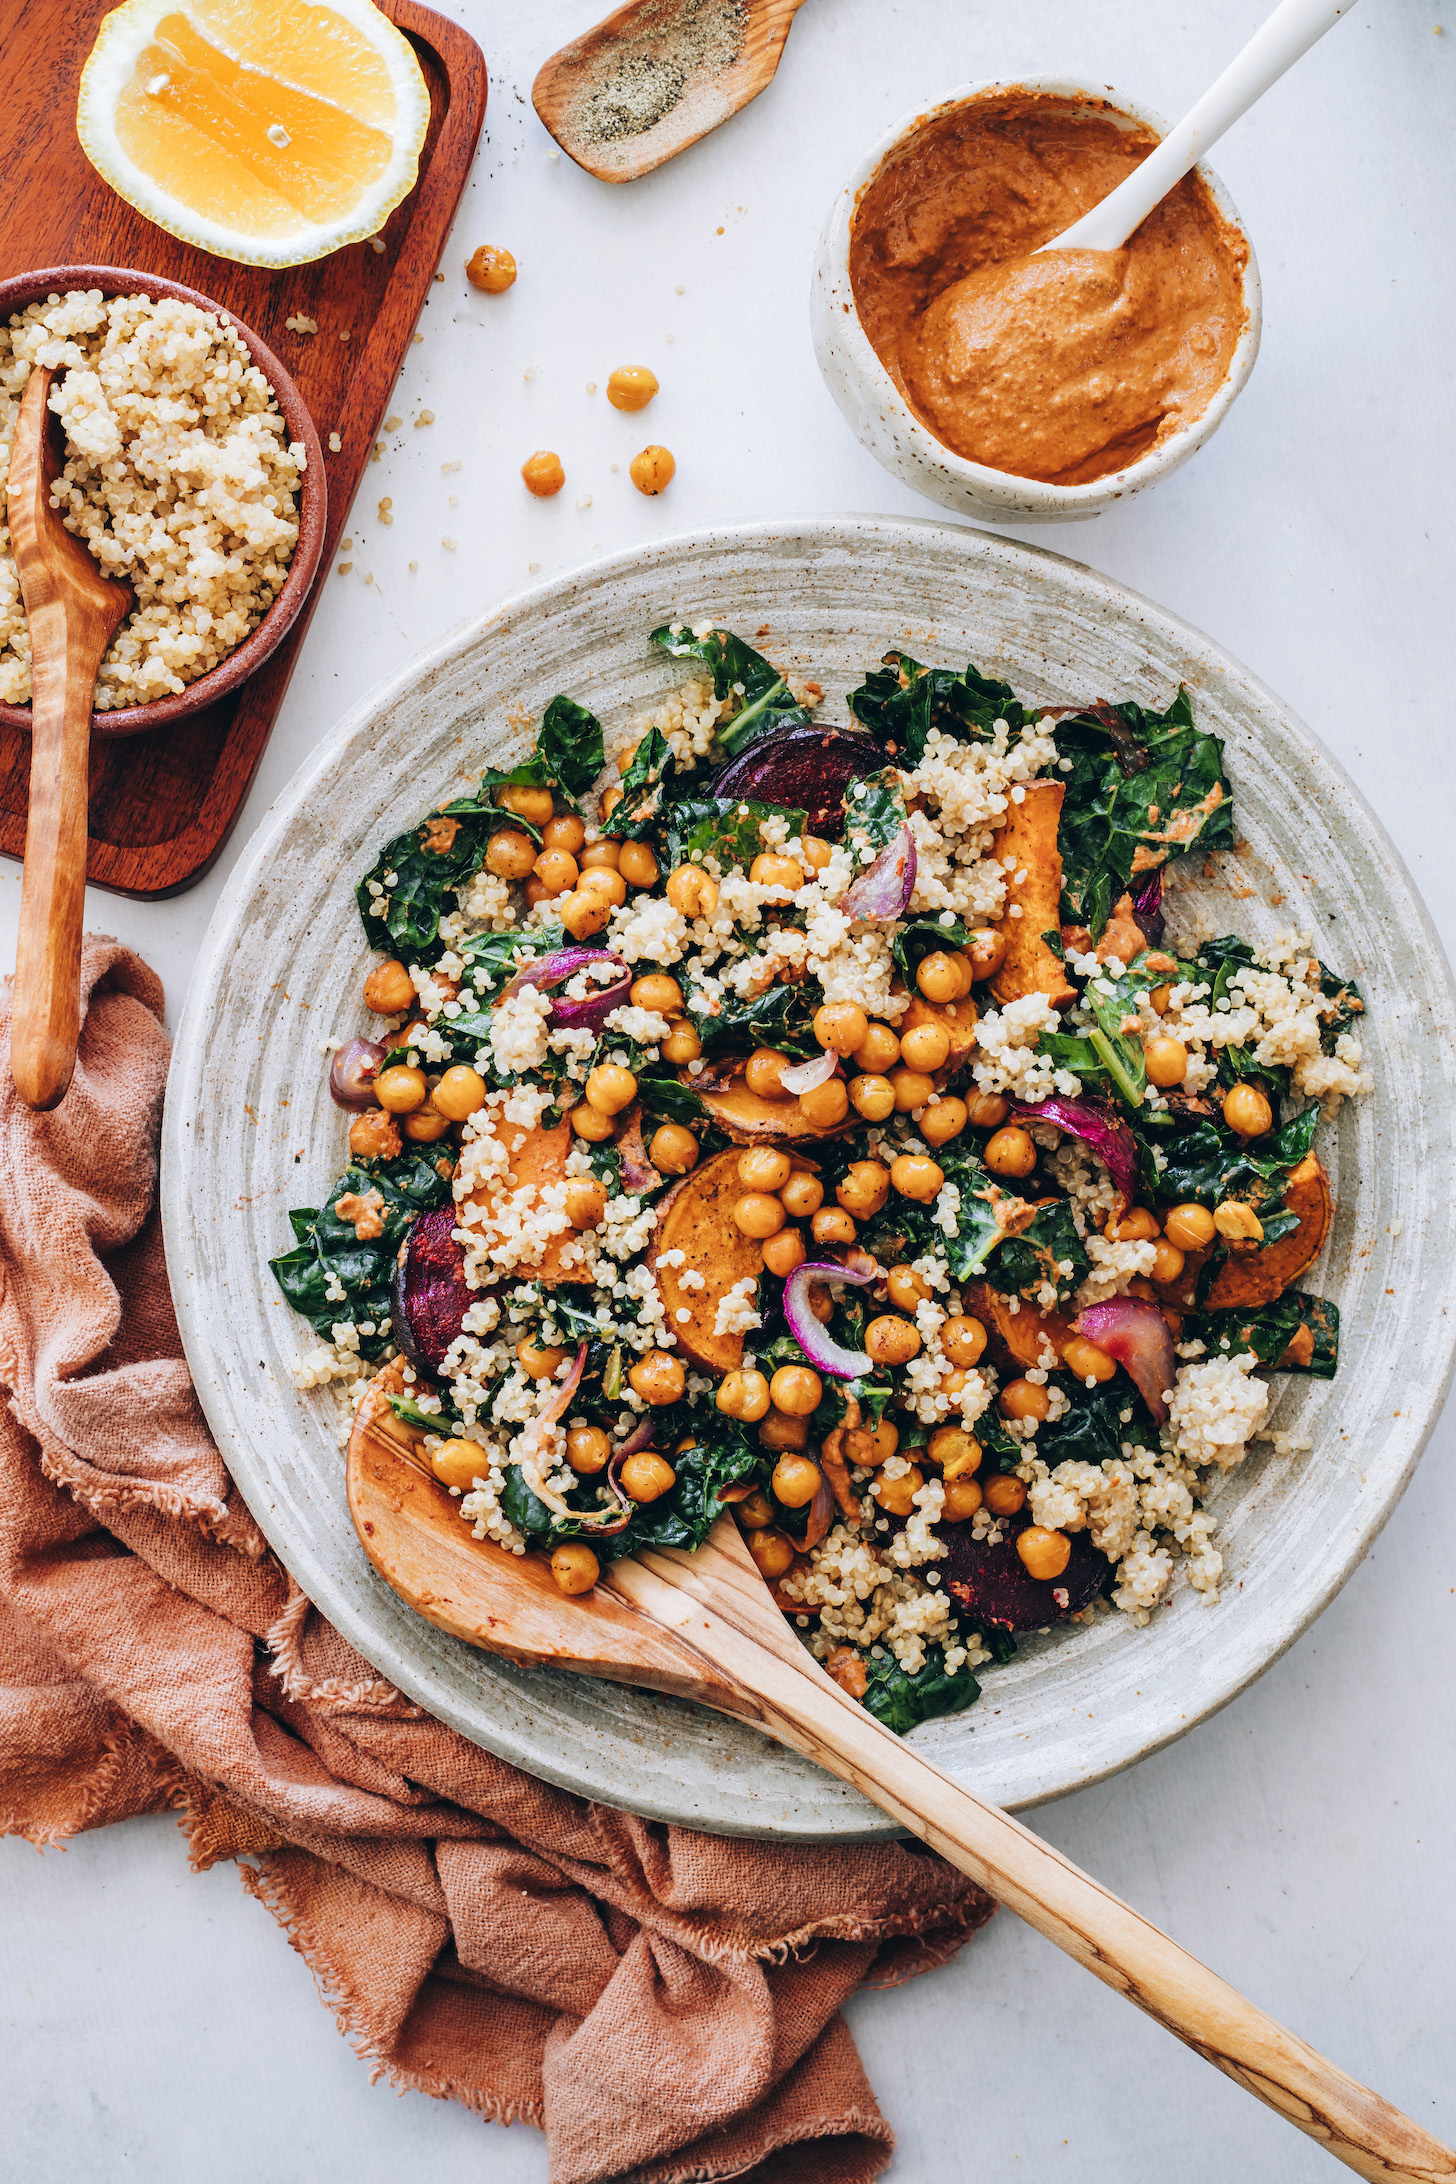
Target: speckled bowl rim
(1036,495)
(697,1780)
(21,289)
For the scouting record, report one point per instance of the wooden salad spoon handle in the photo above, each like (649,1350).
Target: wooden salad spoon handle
(74,612)
(703,1626)
(630,94)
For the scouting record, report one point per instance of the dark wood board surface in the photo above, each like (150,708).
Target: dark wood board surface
(162,805)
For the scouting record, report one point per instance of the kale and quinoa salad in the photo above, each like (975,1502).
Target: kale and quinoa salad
(833,1124)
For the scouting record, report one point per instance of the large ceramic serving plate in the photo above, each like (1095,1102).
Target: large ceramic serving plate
(250,1132)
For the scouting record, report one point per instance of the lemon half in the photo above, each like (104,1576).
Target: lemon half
(259,130)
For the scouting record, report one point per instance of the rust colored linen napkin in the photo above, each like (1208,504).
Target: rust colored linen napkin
(664,2005)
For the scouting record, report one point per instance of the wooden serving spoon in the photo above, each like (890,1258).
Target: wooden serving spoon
(656,76)
(74,612)
(703,1626)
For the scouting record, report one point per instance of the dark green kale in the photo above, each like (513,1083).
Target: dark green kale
(1143,787)
(922,937)
(908,1229)
(901,701)
(1049,1250)
(765,699)
(1095,1423)
(781,1017)
(1105,1057)
(900,1699)
(1208,1162)
(727,828)
(874,813)
(722,1454)
(668,1100)
(417,883)
(646,786)
(1270,1328)
(570,747)
(328,1256)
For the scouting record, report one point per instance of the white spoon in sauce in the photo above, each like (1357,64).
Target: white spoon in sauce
(1286,37)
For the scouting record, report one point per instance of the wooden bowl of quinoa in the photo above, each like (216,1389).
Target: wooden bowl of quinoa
(218,522)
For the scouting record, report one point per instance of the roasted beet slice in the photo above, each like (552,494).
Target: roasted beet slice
(428,1296)
(804,769)
(994,1587)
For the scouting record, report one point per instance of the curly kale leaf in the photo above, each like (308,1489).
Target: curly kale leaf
(765,699)
(570,747)
(417,883)
(1143,787)
(981,1221)
(328,1256)
(922,937)
(781,1017)
(645,787)
(874,813)
(722,1454)
(1105,1057)
(1311,1324)
(1209,1163)
(900,1698)
(1093,1427)
(1049,1250)
(720,826)
(901,701)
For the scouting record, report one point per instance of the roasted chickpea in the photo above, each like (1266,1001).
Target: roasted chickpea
(816,853)
(865,1188)
(538,1359)
(565,831)
(780,1431)
(646,1477)
(795,1480)
(1166,1061)
(631,387)
(652,469)
(763,1073)
(878,1051)
(1168,1262)
(674,1149)
(536,805)
(957,1452)
(658,1377)
(1024,1399)
(938,978)
(925,1047)
(1190,1227)
(773,1552)
(638,866)
(744,1394)
(1045,1554)
(401,1089)
(906,1287)
(1011,1151)
(783,1252)
(769,869)
(987,951)
(1088,1362)
(374,1136)
(943,1120)
(602,880)
(916,1176)
(832,1225)
(796,1390)
(890,1340)
(872,1097)
(1247,1111)
(692,891)
(457,1464)
(912,1088)
(963,1340)
(825,1105)
(1138,1226)
(802,1195)
(763,1168)
(897,1496)
(658,992)
(583,915)
(555,874)
(842,1025)
(754,1511)
(884,1441)
(986,1110)
(388,989)
(574,1566)
(964,970)
(1005,1494)
(492,269)
(682,1045)
(542,473)
(961,1500)
(610,1089)
(759,1214)
(460,1092)
(590,1123)
(586,1201)
(425,1125)
(588,1449)
(600,856)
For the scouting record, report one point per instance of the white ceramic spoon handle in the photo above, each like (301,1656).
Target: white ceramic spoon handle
(1291,30)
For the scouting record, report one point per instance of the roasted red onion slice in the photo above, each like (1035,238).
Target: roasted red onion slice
(1147,907)
(817,1344)
(805,1075)
(352,1073)
(589,1014)
(884,888)
(1111,1140)
(1136,1334)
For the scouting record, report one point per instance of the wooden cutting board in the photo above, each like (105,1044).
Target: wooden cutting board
(162,805)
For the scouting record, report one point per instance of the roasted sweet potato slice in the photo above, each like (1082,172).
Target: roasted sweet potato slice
(1015,1338)
(750,1119)
(696,1218)
(538,1159)
(1258,1277)
(957,1019)
(1030,836)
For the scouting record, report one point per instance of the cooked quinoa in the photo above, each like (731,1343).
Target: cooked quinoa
(178,475)
(1055,1182)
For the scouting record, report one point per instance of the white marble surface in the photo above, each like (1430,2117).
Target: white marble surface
(155,2024)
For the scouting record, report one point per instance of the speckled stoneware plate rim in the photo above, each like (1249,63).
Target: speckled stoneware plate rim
(1295,1527)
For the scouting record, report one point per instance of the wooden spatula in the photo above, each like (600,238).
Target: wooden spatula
(703,1627)
(74,612)
(656,76)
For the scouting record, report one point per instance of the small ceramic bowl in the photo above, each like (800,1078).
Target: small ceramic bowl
(879,414)
(112,280)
